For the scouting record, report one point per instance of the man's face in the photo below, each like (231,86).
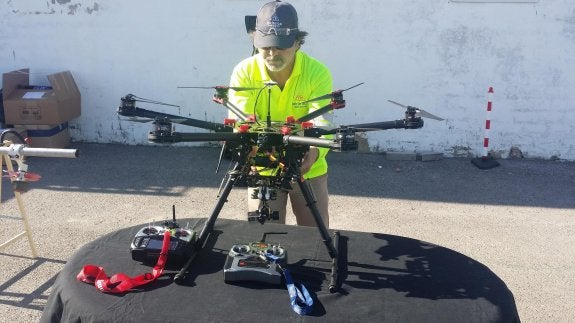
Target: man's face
(277,59)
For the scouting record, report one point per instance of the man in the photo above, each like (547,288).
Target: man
(299,78)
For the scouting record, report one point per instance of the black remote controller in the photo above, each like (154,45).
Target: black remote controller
(249,263)
(147,244)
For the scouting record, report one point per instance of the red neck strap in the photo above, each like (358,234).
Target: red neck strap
(121,283)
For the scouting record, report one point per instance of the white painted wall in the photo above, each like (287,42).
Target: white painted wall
(438,55)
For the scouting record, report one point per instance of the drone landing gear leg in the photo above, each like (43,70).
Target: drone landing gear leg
(332,245)
(180,277)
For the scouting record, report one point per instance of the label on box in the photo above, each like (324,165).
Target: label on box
(33,95)
(30,113)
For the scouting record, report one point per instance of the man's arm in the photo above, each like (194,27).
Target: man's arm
(323,85)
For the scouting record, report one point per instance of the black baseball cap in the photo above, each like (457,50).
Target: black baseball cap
(276,25)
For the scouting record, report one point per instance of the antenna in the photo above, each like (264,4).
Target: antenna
(269,85)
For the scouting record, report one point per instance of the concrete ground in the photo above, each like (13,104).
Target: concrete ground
(518,219)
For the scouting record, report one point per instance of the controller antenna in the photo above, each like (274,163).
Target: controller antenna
(174,212)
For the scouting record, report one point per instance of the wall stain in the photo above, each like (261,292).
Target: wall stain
(569,26)
(58,7)
(96,7)
(72,9)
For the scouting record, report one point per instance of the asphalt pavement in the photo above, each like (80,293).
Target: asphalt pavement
(517,219)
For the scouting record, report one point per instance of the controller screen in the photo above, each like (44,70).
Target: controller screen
(157,244)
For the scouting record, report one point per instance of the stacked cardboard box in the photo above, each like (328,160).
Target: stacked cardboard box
(44,111)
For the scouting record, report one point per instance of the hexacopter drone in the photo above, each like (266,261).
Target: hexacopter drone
(265,155)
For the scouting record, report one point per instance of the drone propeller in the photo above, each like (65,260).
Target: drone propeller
(419,112)
(220,87)
(139,119)
(149,117)
(139,99)
(332,94)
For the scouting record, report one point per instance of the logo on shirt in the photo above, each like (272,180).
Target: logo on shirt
(299,102)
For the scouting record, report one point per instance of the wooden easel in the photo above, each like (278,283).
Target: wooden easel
(27,232)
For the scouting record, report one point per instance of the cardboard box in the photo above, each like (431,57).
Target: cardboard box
(48,136)
(25,104)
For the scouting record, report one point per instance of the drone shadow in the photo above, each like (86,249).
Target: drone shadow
(425,270)
(407,267)
(210,258)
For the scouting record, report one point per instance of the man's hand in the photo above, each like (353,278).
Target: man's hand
(308,159)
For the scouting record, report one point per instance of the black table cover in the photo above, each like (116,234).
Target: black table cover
(386,279)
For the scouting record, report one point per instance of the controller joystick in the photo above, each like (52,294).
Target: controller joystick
(252,263)
(239,250)
(275,251)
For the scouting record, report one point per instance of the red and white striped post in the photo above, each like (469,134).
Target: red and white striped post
(487,123)
(485,162)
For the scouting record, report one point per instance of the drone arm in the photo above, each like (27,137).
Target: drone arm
(345,135)
(396,124)
(218,127)
(385,125)
(132,111)
(411,123)
(310,141)
(172,137)
(191,137)
(319,112)
(235,110)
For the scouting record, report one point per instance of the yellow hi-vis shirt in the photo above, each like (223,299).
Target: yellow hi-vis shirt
(309,79)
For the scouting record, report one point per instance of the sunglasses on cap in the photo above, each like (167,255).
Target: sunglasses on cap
(278,31)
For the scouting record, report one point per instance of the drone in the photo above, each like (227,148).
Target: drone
(277,147)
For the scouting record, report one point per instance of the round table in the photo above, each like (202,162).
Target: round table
(386,278)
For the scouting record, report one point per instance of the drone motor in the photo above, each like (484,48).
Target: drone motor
(162,131)
(412,121)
